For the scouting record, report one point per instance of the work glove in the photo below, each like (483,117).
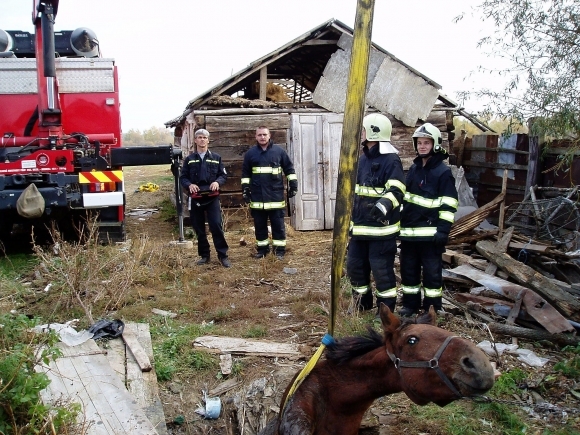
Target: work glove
(381,209)
(247,195)
(440,239)
(292,193)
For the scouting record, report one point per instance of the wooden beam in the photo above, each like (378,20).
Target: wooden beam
(495,165)
(263,82)
(497,150)
(566,303)
(321,42)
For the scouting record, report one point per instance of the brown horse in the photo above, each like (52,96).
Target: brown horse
(426,362)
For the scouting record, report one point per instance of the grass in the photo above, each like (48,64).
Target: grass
(173,351)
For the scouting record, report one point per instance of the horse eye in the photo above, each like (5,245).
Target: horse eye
(412,340)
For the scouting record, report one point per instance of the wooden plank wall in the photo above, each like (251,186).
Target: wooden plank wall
(231,136)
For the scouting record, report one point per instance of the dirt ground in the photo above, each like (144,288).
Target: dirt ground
(289,300)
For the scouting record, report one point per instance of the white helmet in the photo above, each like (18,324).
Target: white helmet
(432,132)
(377,128)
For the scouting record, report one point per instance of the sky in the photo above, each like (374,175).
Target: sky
(168,52)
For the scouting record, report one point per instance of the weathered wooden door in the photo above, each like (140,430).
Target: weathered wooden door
(315,149)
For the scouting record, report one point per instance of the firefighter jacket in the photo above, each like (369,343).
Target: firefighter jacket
(194,171)
(262,174)
(379,176)
(430,201)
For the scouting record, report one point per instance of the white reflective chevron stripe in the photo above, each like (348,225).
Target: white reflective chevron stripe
(390,293)
(430,203)
(396,183)
(433,292)
(392,198)
(362,289)
(212,161)
(262,242)
(278,242)
(359,230)
(268,205)
(418,232)
(411,290)
(451,202)
(447,215)
(423,202)
(193,161)
(373,192)
(291,177)
(266,170)
(245,181)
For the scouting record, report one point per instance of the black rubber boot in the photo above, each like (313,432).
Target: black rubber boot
(411,304)
(389,302)
(436,302)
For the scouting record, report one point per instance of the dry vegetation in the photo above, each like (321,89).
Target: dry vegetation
(253,299)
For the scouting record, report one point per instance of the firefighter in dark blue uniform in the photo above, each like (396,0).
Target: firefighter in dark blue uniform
(428,213)
(202,175)
(263,188)
(378,197)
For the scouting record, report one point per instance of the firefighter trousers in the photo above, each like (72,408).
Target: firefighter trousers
(276,217)
(376,256)
(421,266)
(197,214)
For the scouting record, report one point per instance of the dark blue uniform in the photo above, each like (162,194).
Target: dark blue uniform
(203,172)
(262,172)
(372,245)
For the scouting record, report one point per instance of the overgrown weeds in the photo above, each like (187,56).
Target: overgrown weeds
(21,411)
(91,277)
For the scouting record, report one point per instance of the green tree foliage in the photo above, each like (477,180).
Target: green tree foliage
(540,40)
(151,136)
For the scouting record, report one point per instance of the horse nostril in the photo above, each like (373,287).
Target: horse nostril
(467,363)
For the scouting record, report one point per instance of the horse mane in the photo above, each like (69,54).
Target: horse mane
(346,348)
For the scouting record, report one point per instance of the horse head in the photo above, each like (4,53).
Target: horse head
(433,364)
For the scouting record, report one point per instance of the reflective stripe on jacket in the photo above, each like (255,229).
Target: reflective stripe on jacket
(191,172)
(262,172)
(379,176)
(430,200)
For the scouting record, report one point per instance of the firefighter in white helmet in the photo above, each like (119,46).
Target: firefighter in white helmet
(428,213)
(375,216)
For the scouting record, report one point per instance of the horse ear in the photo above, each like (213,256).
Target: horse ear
(389,320)
(432,316)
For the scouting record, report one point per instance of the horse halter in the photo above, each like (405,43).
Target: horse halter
(433,363)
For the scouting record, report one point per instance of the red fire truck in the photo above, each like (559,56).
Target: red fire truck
(60,130)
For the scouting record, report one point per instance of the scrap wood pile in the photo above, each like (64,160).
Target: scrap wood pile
(523,281)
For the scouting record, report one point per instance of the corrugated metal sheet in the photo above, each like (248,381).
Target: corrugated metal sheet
(391,87)
(75,75)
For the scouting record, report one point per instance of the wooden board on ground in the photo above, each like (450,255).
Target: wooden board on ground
(240,346)
(83,375)
(142,385)
(137,350)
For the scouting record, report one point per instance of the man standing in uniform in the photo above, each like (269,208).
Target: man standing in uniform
(375,216)
(202,174)
(263,189)
(428,213)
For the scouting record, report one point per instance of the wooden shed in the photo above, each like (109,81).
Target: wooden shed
(298,91)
